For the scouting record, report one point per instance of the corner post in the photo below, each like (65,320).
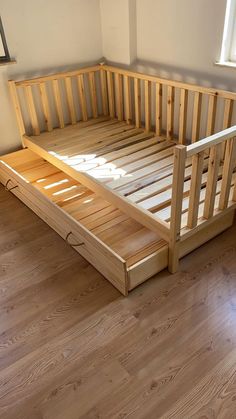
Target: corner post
(180,154)
(16,103)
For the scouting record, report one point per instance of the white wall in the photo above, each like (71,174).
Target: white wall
(44,36)
(182,39)
(118,23)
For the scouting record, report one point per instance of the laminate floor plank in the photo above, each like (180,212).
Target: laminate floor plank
(71,347)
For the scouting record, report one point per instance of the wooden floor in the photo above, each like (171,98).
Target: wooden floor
(72,347)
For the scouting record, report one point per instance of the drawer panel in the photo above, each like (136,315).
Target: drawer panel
(148,267)
(124,251)
(95,251)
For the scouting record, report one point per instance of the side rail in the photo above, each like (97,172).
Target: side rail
(44,103)
(175,109)
(212,190)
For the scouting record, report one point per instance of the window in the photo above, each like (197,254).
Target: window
(228,49)
(4,53)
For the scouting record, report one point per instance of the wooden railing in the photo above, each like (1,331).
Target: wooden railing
(208,198)
(47,102)
(170,108)
(166,106)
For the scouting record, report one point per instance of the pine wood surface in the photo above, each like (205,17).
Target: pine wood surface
(72,347)
(121,233)
(135,164)
(117,134)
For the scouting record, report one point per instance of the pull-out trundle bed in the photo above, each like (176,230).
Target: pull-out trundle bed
(124,177)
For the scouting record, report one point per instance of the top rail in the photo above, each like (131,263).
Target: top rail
(57,76)
(173,109)
(141,76)
(182,85)
(213,140)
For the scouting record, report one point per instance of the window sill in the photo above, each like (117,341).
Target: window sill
(2,63)
(229,64)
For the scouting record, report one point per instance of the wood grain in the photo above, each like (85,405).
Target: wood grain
(66,333)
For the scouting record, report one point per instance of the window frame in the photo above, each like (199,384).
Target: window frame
(6,57)
(229,34)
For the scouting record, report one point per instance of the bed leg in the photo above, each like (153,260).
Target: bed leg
(173,264)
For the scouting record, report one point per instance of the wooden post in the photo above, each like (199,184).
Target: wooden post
(170,112)
(176,206)
(17,107)
(32,110)
(158,108)
(58,102)
(196,116)
(82,97)
(227,120)
(93,94)
(111,98)
(104,94)
(137,102)
(229,164)
(195,188)
(119,97)
(128,104)
(183,115)
(147,96)
(212,177)
(45,106)
(70,100)
(211,118)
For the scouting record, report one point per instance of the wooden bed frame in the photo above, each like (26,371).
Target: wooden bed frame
(166,149)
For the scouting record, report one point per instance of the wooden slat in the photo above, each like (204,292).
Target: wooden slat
(127,98)
(234,192)
(45,105)
(229,165)
(16,103)
(119,97)
(143,217)
(211,117)
(137,102)
(197,106)
(93,94)
(183,115)
(213,171)
(32,110)
(104,94)
(57,97)
(82,98)
(158,108)
(227,119)
(111,98)
(176,206)
(147,104)
(70,100)
(228,111)
(195,188)
(170,112)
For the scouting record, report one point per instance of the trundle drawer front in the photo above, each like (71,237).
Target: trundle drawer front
(148,267)
(111,265)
